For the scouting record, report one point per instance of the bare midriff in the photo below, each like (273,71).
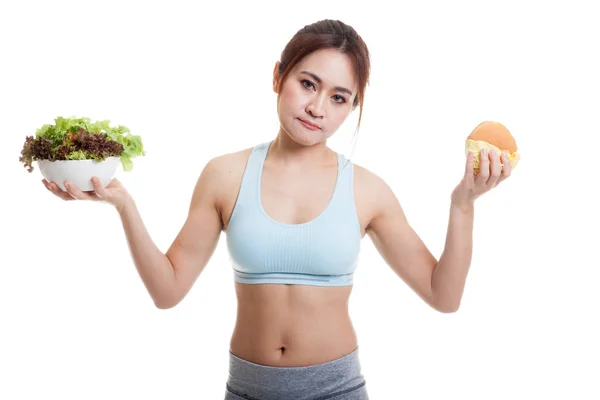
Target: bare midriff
(292,325)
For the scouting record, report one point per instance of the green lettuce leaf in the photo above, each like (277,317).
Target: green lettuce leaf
(61,132)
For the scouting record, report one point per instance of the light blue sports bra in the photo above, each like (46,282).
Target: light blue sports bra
(321,252)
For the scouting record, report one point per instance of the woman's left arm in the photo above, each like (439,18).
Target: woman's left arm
(440,283)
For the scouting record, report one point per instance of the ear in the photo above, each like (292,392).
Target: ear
(276,76)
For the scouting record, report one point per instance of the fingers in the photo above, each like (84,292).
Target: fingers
(53,187)
(506,168)
(484,168)
(469,166)
(114,183)
(72,192)
(98,188)
(495,169)
(469,177)
(78,194)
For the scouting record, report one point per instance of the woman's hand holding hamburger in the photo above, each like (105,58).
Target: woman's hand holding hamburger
(491,157)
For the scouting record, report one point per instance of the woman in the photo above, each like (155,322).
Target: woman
(294,213)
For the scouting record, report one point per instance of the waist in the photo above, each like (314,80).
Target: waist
(281,325)
(338,378)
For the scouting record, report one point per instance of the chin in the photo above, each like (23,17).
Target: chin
(303,136)
(307,140)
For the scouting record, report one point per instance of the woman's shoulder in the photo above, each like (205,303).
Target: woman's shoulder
(367,180)
(225,171)
(372,193)
(228,167)
(231,159)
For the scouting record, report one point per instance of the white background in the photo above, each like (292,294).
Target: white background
(195,82)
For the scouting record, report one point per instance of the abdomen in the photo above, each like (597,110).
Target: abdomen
(292,325)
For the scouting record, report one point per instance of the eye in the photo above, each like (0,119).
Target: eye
(339,99)
(307,84)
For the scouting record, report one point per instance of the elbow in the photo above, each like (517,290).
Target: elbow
(167,297)
(447,308)
(165,303)
(444,307)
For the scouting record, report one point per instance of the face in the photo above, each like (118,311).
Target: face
(316,97)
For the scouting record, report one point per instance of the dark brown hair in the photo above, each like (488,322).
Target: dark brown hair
(328,34)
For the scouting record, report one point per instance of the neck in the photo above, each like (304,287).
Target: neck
(289,153)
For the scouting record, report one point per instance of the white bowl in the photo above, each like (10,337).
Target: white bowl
(79,172)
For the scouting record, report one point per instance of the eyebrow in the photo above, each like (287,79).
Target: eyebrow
(316,78)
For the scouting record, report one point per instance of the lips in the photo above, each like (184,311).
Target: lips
(309,125)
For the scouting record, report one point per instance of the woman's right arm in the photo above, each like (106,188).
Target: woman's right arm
(167,277)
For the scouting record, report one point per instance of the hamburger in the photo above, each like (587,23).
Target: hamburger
(492,135)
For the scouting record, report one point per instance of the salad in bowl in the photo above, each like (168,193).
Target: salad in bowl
(76,149)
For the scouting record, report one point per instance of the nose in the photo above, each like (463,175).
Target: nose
(316,107)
